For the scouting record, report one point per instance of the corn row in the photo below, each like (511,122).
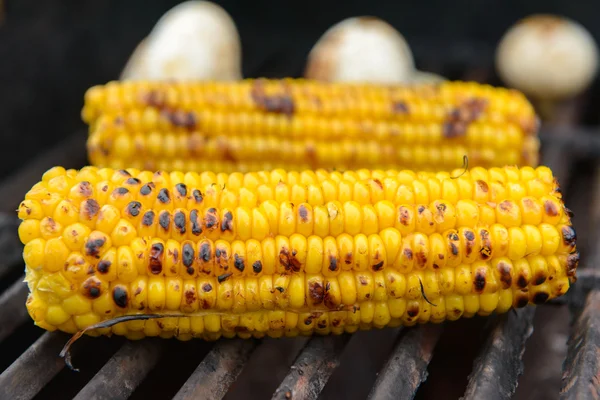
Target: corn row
(277,323)
(530,277)
(261,124)
(363,248)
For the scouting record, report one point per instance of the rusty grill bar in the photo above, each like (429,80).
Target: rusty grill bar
(213,370)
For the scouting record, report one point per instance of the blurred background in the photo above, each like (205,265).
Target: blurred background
(51,52)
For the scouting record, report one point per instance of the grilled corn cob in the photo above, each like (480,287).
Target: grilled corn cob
(257,125)
(287,253)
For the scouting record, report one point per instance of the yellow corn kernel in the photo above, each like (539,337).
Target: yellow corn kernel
(55,254)
(296,290)
(85,320)
(472,305)
(104,305)
(76,305)
(156,293)
(34,253)
(29,230)
(173,293)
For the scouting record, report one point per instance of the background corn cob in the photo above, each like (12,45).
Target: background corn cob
(287,253)
(298,124)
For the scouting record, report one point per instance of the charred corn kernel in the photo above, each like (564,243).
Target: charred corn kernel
(364,286)
(76,268)
(411,315)
(332,297)
(395,284)
(455,307)
(235,265)
(540,294)
(30,209)
(379,292)
(49,228)
(281,292)
(74,236)
(331,265)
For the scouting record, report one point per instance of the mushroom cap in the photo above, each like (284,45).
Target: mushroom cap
(194,40)
(361,49)
(547,57)
(423,77)
(136,65)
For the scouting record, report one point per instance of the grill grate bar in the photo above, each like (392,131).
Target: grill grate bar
(580,142)
(581,369)
(406,368)
(124,372)
(497,368)
(312,368)
(219,369)
(12,304)
(33,369)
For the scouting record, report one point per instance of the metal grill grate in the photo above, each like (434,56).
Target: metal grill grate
(299,368)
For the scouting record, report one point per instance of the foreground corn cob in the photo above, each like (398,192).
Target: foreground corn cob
(287,253)
(296,124)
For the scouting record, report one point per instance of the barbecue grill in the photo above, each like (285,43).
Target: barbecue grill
(479,358)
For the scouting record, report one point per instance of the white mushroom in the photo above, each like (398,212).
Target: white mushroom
(359,49)
(194,40)
(426,77)
(547,57)
(136,65)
